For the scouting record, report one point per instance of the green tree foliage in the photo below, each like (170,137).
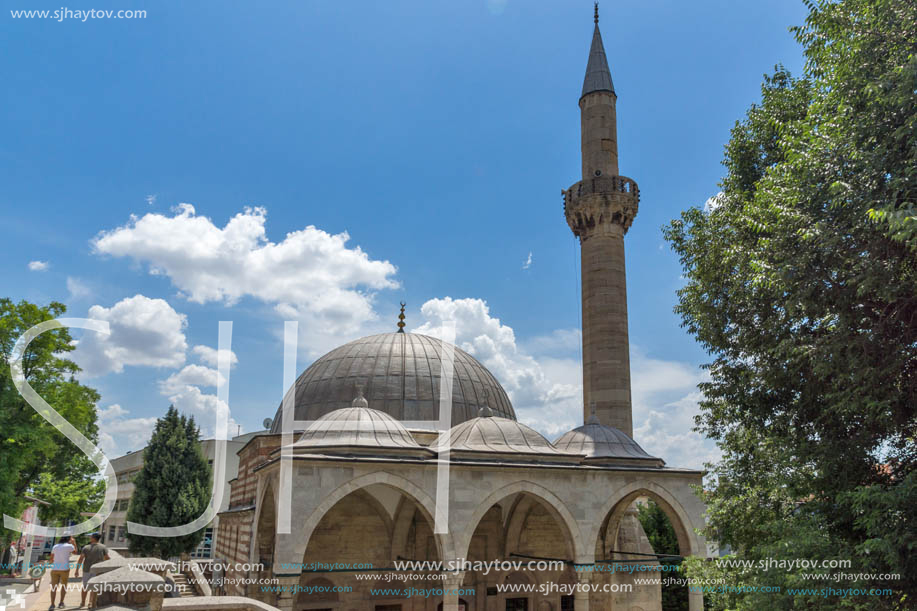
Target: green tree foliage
(172,488)
(661,534)
(34,457)
(802,285)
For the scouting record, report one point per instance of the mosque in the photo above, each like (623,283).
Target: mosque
(385,469)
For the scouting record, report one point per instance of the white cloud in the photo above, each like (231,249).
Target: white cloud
(190,375)
(545,382)
(545,394)
(666,431)
(190,399)
(714,202)
(528,262)
(209,356)
(557,341)
(38,266)
(311,275)
(150,199)
(144,332)
(77,288)
(119,434)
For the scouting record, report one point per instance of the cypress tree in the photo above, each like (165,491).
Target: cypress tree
(172,488)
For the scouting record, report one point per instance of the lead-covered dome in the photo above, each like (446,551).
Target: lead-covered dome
(399,374)
(357,426)
(495,434)
(598,441)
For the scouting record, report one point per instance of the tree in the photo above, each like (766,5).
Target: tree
(661,534)
(801,282)
(35,457)
(172,488)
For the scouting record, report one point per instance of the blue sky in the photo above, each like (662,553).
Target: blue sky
(436,135)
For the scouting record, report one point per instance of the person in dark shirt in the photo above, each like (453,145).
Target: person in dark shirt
(90,555)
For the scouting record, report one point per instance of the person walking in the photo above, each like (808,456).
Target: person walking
(60,568)
(90,555)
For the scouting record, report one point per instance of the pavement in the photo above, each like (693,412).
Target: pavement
(13,593)
(15,596)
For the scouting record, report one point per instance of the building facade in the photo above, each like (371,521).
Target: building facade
(372,479)
(126,468)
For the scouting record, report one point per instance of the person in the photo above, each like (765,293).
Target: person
(90,555)
(13,559)
(60,568)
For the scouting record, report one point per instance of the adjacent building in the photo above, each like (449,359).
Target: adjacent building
(114,529)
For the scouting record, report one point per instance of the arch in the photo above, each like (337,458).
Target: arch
(614,507)
(406,487)
(266,527)
(548,499)
(318,593)
(265,487)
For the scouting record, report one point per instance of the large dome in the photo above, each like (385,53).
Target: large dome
(399,374)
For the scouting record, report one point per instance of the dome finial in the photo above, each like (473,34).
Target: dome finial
(359,400)
(593,418)
(596,13)
(485,411)
(401,319)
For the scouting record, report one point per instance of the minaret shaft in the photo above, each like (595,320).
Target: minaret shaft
(600,209)
(606,356)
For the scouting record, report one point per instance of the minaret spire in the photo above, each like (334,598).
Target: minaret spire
(599,210)
(598,76)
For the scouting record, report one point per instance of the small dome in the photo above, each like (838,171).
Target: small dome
(495,434)
(596,440)
(357,426)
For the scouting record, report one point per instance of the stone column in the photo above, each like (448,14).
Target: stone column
(581,596)
(695,601)
(451,583)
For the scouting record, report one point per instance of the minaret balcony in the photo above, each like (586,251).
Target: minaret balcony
(601,201)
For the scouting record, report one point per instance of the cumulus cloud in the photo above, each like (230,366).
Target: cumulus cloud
(119,434)
(144,332)
(528,262)
(548,402)
(184,390)
(38,266)
(543,377)
(310,274)
(209,356)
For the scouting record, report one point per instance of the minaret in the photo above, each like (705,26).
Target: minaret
(599,210)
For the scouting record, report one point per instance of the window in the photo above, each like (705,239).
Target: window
(388,607)
(111,534)
(120,534)
(566,603)
(517,604)
(205,548)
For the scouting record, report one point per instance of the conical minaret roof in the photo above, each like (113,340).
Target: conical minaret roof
(598,76)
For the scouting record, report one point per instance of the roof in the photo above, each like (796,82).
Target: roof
(598,76)
(495,434)
(399,373)
(596,440)
(357,426)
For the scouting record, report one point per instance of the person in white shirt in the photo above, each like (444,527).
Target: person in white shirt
(60,569)
(14,558)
